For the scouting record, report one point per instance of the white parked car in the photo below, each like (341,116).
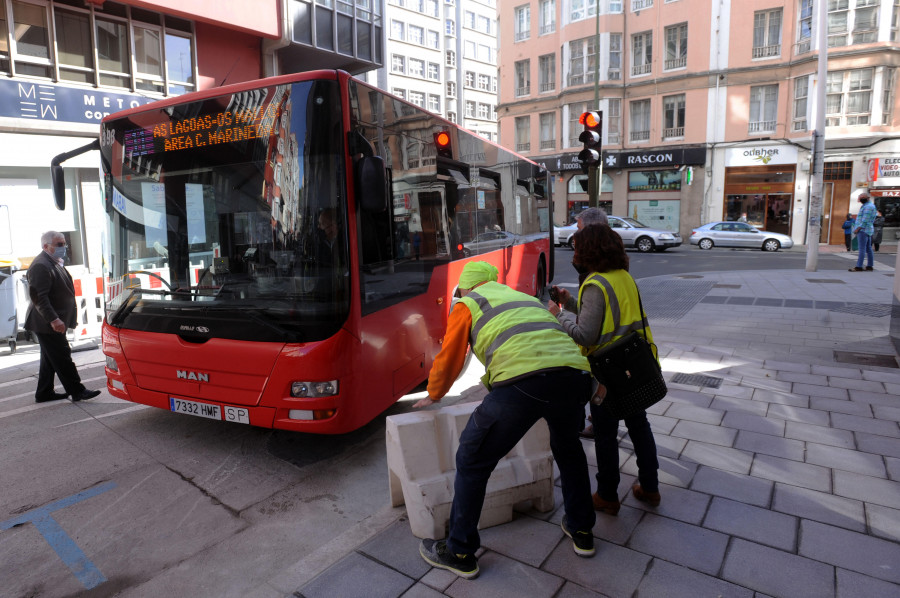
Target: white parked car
(738,234)
(563,234)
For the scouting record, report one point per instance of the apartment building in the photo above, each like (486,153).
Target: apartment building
(442,55)
(708,106)
(65,64)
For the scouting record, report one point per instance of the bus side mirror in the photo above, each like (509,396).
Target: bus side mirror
(371,184)
(58,185)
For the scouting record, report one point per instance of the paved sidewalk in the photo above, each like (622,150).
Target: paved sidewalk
(779,449)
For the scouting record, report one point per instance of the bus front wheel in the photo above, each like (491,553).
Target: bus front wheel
(541,281)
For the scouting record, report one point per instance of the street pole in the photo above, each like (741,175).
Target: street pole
(814,216)
(594,171)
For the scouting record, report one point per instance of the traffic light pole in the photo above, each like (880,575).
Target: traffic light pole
(593,186)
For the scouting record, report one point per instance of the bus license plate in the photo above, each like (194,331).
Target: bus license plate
(230,414)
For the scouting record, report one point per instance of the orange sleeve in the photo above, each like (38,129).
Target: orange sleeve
(452,356)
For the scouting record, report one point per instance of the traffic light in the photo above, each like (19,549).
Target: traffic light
(442,144)
(592,137)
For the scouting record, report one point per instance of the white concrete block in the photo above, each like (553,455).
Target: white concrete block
(421,455)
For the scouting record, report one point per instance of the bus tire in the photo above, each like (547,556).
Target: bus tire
(541,281)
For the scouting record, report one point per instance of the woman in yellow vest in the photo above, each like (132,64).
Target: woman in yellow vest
(608,308)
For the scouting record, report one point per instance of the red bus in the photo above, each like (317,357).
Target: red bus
(283,253)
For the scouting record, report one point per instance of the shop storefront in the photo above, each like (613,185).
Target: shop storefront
(884,186)
(570,187)
(759,186)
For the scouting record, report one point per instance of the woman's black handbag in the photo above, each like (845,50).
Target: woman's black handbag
(630,372)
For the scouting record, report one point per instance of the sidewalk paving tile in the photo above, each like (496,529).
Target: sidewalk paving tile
(813,390)
(671,471)
(878,445)
(850,383)
(703,415)
(357,575)
(892,377)
(883,412)
(776,572)
(614,570)
(677,503)
(741,405)
(755,423)
(866,488)
(840,372)
(780,398)
(397,548)
(675,581)
(799,414)
(503,577)
(766,444)
(705,433)
(421,590)
(846,459)
(524,539)
(841,406)
(820,506)
(691,397)
(764,383)
(875,398)
(865,424)
(893,467)
(617,528)
(850,550)
(804,475)
(855,585)
(802,378)
(662,423)
(788,366)
(752,523)
(720,457)
(821,434)
(678,542)
(884,522)
(744,488)
(666,446)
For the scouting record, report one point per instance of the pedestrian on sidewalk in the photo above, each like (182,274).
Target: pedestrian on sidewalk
(848,231)
(533,371)
(878,226)
(864,228)
(607,309)
(51,312)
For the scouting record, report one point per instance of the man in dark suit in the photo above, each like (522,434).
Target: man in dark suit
(51,312)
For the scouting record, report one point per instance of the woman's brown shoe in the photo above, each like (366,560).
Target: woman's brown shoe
(605,506)
(651,498)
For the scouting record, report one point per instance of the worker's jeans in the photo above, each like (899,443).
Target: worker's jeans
(502,419)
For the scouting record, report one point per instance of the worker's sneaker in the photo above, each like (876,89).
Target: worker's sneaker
(583,542)
(436,553)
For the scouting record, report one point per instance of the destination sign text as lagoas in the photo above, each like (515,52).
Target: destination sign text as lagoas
(228,126)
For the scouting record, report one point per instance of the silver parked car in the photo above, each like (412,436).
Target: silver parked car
(738,234)
(562,235)
(642,237)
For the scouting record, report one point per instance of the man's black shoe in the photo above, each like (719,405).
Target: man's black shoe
(583,542)
(57,396)
(85,394)
(436,553)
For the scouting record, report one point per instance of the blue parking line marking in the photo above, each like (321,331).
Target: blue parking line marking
(64,546)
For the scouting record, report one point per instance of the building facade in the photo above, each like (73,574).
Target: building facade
(708,105)
(65,64)
(442,56)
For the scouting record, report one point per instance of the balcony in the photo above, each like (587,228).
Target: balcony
(549,28)
(522,35)
(523,91)
(640,135)
(545,87)
(676,63)
(767,51)
(614,74)
(640,69)
(548,144)
(523,147)
(800,125)
(762,126)
(581,79)
(637,5)
(802,47)
(673,132)
(612,138)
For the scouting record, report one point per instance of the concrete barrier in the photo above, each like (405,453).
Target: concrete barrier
(421,456)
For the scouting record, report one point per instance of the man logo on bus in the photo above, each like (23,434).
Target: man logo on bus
(196,376)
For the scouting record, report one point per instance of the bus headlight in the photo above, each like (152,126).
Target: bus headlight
(306,390)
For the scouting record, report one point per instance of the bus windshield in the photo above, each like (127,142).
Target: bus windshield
(227,216)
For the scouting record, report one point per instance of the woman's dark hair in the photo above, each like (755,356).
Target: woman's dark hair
(598,248)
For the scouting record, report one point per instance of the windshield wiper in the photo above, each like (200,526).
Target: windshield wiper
(253,311)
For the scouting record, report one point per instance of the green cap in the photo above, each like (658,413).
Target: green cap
(477,272)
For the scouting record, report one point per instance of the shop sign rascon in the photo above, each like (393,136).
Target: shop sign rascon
(645,159)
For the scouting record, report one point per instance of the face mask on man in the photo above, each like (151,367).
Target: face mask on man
(59,252)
